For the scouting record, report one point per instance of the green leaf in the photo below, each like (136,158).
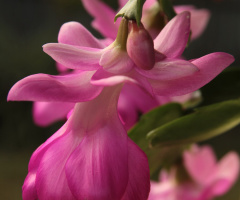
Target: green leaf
(153,119)
(204,123)
(225,86)
(131,11)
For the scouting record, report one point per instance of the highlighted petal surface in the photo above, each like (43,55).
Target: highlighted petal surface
(172,40)
(67,88)
(74,33)
(82,58)
(209,67)
(45,113)
(170,69)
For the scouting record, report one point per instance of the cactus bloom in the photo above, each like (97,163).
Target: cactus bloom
(90,157)
(207,178)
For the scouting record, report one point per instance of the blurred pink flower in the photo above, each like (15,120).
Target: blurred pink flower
(90,157)
(199,17)
(208,178)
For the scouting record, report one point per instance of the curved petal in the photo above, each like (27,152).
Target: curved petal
(199,19)
(61,68)
(39,152)
(172,40)
(98,169)
(115,60)
(82,58)
(139,176)
(51,182)
(169,69)
(74,33)
(43,87)
(104,78)
(29,191)
(105,25)
(200,163)
(226,174)
(209,67)
(46,113)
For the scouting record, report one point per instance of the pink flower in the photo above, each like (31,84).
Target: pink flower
(208,178)
(90,157)
(199,17)
(168,77)
(79,50)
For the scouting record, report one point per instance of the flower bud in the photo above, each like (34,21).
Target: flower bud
(140,47)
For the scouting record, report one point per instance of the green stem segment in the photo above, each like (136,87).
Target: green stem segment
(132,11)
(122,35)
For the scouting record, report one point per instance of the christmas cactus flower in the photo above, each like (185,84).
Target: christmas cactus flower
(165,76)
(169,76)
(91,156)
(205,177)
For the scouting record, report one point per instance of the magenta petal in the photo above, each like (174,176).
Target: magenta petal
(200,163)
(82,58)
(43,87)
(98,168)
(45,113)
(74,33)
(102,23)
(169,69)
(209,67)
(199,19)
(104,78)
(29,191)
(139,176)
(39,152)
(226,173)
(115,60)
(61,68)
(172,40)
(51,180)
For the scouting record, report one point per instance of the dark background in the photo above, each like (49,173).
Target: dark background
(25,25)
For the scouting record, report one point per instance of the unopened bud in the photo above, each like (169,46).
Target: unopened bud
(140,47)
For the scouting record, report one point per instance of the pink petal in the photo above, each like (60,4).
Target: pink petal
(199,19)
(130,105)
(29,188)
(46,113)
(98,169)
(74,33)
(61,68)
(82,58)
(209,67)
(227,173)
(51,180)
(170,69)
(200,163)
(105,25)
(104,78)
(43,87)
(39,152)
(139,176)
(173,38)
(116,60)
(29,191)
